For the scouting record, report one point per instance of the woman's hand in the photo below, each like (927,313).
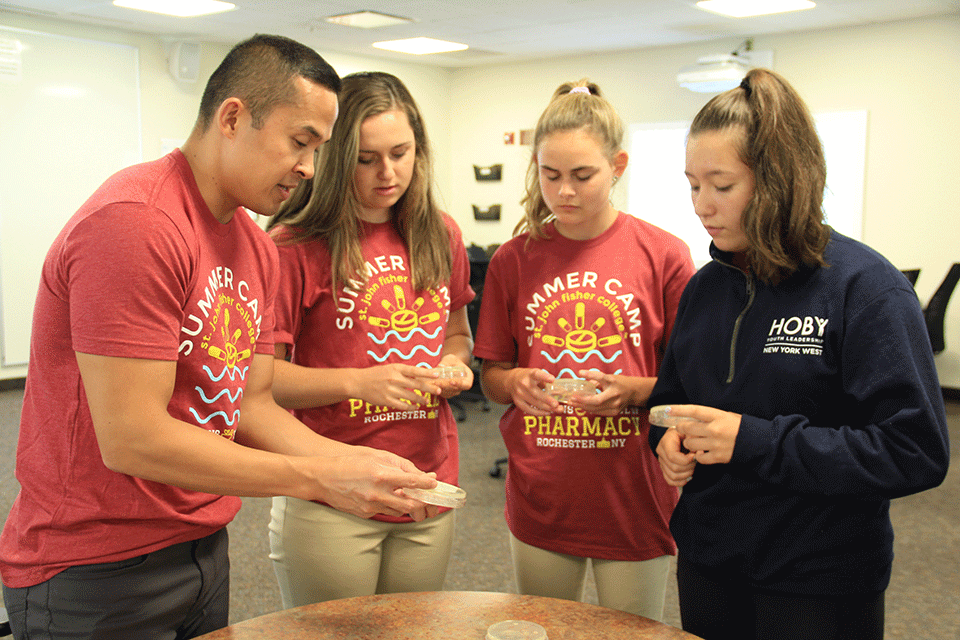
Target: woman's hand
(506,383)
(617,392)
(709,433)
(395,385)
(526,391)
(451,387)
(676,463)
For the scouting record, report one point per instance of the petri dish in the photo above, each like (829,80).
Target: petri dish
(660,416)
(443,495)
(516,630)
(447,373)
(563,388)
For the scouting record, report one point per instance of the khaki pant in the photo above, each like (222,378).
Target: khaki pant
(322,554)
(635,587)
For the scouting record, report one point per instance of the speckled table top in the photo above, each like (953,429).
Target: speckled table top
(446,615)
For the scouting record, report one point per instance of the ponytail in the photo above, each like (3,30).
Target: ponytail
(574,105)
(784,220)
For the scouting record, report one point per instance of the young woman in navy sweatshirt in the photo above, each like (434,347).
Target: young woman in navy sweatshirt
(800,377)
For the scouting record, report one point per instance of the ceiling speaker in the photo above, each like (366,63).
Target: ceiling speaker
(184,60)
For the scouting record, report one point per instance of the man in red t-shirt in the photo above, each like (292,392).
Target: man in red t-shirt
(148,405)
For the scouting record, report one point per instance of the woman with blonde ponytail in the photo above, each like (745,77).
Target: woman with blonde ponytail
(583,294)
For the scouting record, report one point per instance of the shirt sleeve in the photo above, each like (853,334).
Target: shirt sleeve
(127,271)
(291,300)
(668,388)
(679,270)
(461,293)
(271,275)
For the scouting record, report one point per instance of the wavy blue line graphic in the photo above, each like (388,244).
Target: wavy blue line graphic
(410,334)
(232,371)
(405,356)
(567,352)
(226,418)
(574,375)
(233,398)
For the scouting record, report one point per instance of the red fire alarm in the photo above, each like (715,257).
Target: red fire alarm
(508,137)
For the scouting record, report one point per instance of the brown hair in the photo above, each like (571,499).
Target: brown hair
(784,220)
(567,110)
(328,206)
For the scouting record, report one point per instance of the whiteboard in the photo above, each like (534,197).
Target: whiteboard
(69,118)
(660,193)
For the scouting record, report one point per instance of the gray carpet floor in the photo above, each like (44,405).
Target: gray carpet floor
(923,601)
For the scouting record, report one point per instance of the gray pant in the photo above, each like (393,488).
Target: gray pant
(182,591)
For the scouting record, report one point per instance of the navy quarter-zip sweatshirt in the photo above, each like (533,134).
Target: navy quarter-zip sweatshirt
(842,410)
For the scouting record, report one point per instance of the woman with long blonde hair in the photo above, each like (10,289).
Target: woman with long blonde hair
(372,302)
(584,294)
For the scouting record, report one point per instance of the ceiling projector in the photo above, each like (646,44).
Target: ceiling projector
(716,73)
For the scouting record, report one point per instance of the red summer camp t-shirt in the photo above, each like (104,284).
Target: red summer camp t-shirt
(379,321)
(142,270)
(577,483)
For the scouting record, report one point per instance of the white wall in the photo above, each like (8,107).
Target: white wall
(905,75)
(169,107)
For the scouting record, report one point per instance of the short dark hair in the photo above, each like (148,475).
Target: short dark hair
(259,71)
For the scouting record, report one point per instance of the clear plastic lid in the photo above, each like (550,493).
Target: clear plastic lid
(443,495)
(562,389)
(448,372)
(660,416)
(516,630)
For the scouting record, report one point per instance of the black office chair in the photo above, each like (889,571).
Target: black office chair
(477,254)
(475,392)
(912,275)
(479,258)
(478,273)
(936,308)
(496,470)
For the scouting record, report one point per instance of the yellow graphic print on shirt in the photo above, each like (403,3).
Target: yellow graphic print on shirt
(400,318)
(229,353)
(401,325)
(228,340)
(576,324)
(577,337)
(578,341)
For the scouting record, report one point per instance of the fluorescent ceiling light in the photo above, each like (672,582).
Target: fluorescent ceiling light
(749,8)
(420,46)
(178,8)
(367,20)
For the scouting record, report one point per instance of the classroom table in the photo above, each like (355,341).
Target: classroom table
(445,615)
